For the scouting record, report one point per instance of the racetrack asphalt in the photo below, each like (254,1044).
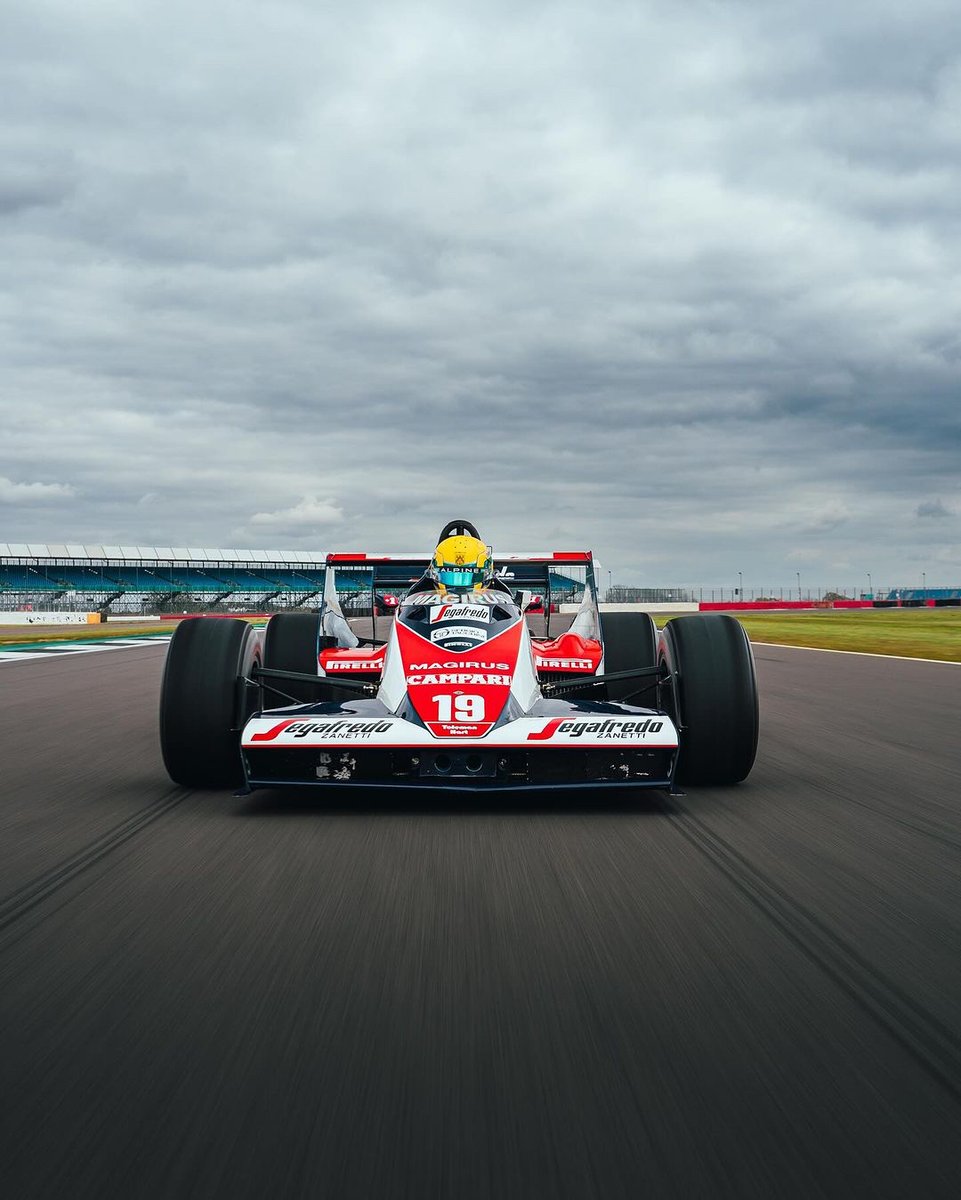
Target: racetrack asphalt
(745,992)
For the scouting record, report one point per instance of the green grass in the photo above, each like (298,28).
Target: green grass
(24,635)
(912,632)
(27,634)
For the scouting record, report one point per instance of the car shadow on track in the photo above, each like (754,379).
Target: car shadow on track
(370,802)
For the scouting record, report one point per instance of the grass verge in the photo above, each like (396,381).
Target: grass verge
(911,632)
(23,635)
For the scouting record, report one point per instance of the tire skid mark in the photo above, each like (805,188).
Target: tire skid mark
(923,827)
(26,898)
(932,1045)
(67,667)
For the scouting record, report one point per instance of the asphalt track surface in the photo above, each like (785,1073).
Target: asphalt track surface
(747,992)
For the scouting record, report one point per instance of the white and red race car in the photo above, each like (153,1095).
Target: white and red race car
(462,692)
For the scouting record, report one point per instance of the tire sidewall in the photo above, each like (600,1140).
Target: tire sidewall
(292,643)
(200,717)
(710,692)
(630,644)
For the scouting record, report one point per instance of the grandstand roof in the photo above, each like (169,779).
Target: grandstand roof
(55,550)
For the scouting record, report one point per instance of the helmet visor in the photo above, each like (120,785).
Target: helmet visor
(459,577)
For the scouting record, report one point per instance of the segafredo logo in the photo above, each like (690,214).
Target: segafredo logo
(602,731)
(460,612)
(339,729)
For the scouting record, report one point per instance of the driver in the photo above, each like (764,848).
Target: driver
(461,563)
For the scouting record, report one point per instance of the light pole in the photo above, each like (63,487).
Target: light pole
(610,586)
(870,586)
(797,575)
(740,585)
(924,580)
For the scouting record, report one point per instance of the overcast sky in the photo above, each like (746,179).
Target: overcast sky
(678,281)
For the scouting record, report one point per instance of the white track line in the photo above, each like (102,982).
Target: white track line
(71,648)
(123,643)
(945,662)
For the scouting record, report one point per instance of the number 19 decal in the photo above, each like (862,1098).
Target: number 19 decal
(459,708)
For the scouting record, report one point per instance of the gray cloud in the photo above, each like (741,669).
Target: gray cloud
(932,509)
(675,281)
(32,493)
(308,515)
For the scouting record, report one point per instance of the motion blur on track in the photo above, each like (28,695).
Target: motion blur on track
(746,992)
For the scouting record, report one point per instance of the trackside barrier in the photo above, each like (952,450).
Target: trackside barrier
(215,616)
(815,605)
(678,606)
(49,618)
(767,605)
(930,602)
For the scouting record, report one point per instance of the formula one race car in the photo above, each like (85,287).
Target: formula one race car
(463,692)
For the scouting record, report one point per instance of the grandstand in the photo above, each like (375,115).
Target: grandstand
(156,579)
(913,596)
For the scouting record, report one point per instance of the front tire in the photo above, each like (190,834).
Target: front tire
(710,691)
(630,643)
(292,643)
(202,706)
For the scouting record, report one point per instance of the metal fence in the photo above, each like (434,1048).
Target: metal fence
(134,600)
(727,594)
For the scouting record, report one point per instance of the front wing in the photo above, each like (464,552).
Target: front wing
(558,744)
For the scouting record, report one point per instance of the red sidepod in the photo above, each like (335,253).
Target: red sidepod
(569,652)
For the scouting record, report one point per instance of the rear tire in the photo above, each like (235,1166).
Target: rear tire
(630,643)
(202,707)
(711,694)
(291,643)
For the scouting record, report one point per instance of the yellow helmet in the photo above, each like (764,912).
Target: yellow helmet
(462,562)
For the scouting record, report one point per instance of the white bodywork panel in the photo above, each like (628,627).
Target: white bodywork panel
(586,730)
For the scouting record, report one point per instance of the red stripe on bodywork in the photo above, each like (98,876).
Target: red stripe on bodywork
(275,731)
(548,731)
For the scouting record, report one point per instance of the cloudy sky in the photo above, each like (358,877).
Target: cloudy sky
(678,281)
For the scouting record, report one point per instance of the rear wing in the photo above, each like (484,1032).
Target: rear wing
(557,576)
(550,556)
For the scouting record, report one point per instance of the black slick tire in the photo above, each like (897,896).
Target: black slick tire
(709,687)
(630,643)
(202,705)
(291,644)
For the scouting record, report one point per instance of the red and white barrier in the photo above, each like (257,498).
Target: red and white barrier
(49,618)
(768,605)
